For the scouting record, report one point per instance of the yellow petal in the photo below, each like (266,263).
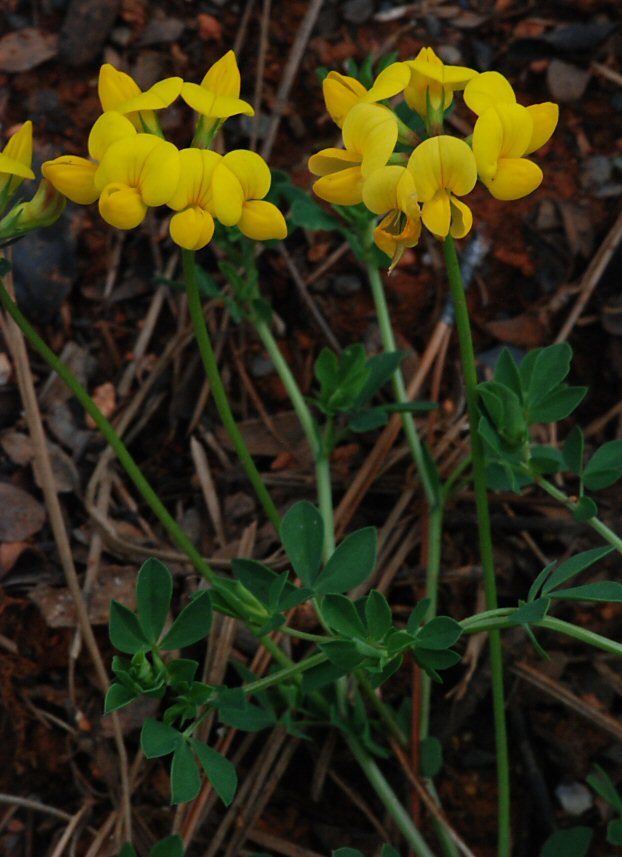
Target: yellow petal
(114,87)
(436,214)
(389,82)
(228,196)
(192,229)
(73,177)
(385,240)
(223,78)
(122,206)
(262,221)
(544,117)
(19,148)
(515,178)
(251,171)
(461,218)
(213,106)
(331,161)
(110,126)
(342,188)
(487,90)
(452,76)
(159,96)
(380,189)
(443,163)
(371,131)
(341,93)
(195,179)
(145,162)
(487,143)
(517,127)
(12,167)
(160,173)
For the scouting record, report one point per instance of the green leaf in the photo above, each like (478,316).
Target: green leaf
(219,771)
(574,450)
(584,509)
(351,564)
(614,832)
(172,846)
(604,467)
(344,655)
(347,852)
(557,406)
(185,777)
(154,589)
(536,586)
(369,420)
(389,851)
(128,849)
(572,842)
(307,214)
(126,634)
(302,534)
(378,615)
(545,459)
(570,567)
(192,624)
(603,590)
(117,697)
(182,671)
(602,784)
(532,611)
(381,367)
(342,616)
(256,577)
(440,633)
(550,367)
(250,718)
(321,676)
(157,739)
(418,615)
(431,755)
(419,407)
(506,372)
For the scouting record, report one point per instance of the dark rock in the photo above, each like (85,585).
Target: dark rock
(85,29)
(347,284)
(161,30)
(44,268)
(357,11)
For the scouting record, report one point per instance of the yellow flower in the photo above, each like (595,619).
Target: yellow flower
(74,176)
(341,92)
(240,181)
(136,173)
(432,83)
(444,169)
(118,91)
(391,191)
(193,225)
(15,162)
(504,133)
(216,98)
(369,137)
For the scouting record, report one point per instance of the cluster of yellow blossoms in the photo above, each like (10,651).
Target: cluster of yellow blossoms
(133,168)
(424,185)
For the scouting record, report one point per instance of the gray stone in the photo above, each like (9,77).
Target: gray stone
(347,284)
(357,11)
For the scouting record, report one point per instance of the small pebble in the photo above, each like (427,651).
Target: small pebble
(261,367)
(596,171)
(357,11)
(347,284)
(574,798)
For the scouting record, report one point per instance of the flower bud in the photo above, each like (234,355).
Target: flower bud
(43,209)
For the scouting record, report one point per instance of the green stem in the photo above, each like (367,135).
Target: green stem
(111,436)
(388,797)
(284,674)
(218,391)
(485,539)
(384,711)
(399,388)
(325,502)
(433,565)
(502,618)
(595,523)
(289,382)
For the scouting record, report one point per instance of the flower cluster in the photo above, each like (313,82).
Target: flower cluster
(409,182)
(132,167)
